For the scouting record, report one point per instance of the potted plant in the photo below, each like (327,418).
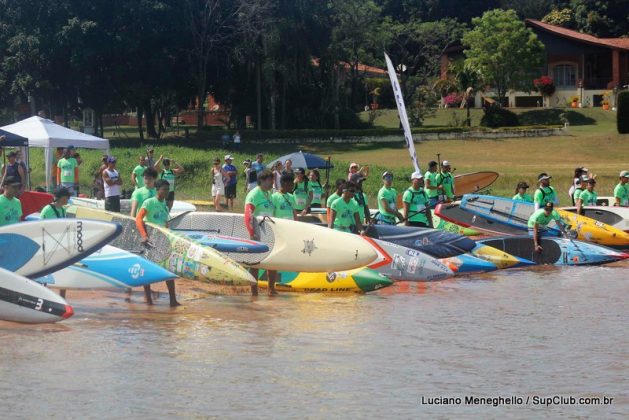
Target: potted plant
(544,85)
(574,101)
(605,101)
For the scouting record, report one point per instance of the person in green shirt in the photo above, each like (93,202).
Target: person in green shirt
(283,200)
(333,197)
(345,216)
(140,195)
(361,197)
(315,191)
(387,201)
(137,175)
(259,203)
(301,190)
(579,186)
(10,206)
(621,191)
(587,197)
(155,211)
(521,194)
(68,172)
(169,174)
(538,223)
(416,204)
(446,181)
(545,193)
(56,209)
(432,186)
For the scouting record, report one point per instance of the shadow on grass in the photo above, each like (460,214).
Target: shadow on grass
(554,117)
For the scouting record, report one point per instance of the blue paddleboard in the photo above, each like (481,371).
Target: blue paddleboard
(227,243)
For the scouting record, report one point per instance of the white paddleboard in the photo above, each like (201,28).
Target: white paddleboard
(125,205)
(35,249)
(293,246)
(108,268)
(23,300)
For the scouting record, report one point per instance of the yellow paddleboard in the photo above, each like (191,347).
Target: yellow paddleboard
(359,280)
(590,230)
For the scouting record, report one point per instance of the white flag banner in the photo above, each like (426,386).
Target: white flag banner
(399,100)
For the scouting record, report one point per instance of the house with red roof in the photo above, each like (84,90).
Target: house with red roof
(580,65)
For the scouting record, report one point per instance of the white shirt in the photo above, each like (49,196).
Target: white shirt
(112,190)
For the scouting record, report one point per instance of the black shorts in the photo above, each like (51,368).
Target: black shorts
(113,203)
(171,196)
(230,191)
(417,224)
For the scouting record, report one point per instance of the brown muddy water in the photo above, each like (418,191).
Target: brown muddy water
(520,335)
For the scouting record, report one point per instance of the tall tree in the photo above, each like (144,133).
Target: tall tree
(506,53)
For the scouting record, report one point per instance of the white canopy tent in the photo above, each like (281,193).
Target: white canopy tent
(41,132)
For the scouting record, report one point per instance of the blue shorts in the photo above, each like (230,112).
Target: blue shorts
(384,220)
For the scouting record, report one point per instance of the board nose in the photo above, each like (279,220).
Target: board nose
(69,311)
(369,280)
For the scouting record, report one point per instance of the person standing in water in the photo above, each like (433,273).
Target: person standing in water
(155,211)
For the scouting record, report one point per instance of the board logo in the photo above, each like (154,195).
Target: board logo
(136,271)
(330,277)
(309,247)
(79,236)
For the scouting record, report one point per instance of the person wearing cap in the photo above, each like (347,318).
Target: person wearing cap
(142,194)
(259,203)
(155,210)
(14,169)
(545,193)
(315,191)
(73,153)
(333,197)
(587,197)
(521,194)
(68,172)
(538,223)
(10,206)
(361,198)
(169,174)
(387,201)
(301,190)
(354,169)
(230,188)
(576,181)
(113,186)
(345,215)
(432,186)
(56,209)
(621,191)
(416,203)
(219,178)
(446,181)
(137,175)
(579,186)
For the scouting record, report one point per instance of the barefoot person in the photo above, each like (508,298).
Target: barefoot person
(259,203)
(155,211)
(538,224)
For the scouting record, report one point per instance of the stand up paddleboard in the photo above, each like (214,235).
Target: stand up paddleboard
(359,280)
(176,253)
(453,213)
(108,268)
(556,251)
(35,249)
(125,205)
(23,300)
(473,182)
(516,214)
(617,217)
(227,243)
(293,246)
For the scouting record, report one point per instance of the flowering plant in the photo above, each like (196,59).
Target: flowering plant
(453,99)
(544,85)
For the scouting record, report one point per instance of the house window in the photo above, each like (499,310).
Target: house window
(565,75)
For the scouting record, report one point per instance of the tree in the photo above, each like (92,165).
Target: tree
(506,53)
(603,18)
(469,81)
(560,17)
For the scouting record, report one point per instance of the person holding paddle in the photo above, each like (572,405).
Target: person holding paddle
(538,224)
(416,204)
(446,181)
(387,201)
(432,185)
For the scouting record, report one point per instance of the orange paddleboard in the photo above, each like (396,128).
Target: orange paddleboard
(473,182)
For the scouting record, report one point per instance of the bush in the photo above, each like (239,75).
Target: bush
(622,113)
(496,116)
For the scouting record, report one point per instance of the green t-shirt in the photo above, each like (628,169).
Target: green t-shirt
(67,167)
(156,211)
(317,192)
(139,176)
(588,198)
(577,193)
(417,200)
(539,217)
(361,200)
(10,210)
(622,193)
(142,194)
(432,177)
(523,197)
(284,205)
(545,195)
(48,212)
(390,196)
(261,201)
(301,195)
(345,211)
(447,180)
(332,199)
(169,176)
